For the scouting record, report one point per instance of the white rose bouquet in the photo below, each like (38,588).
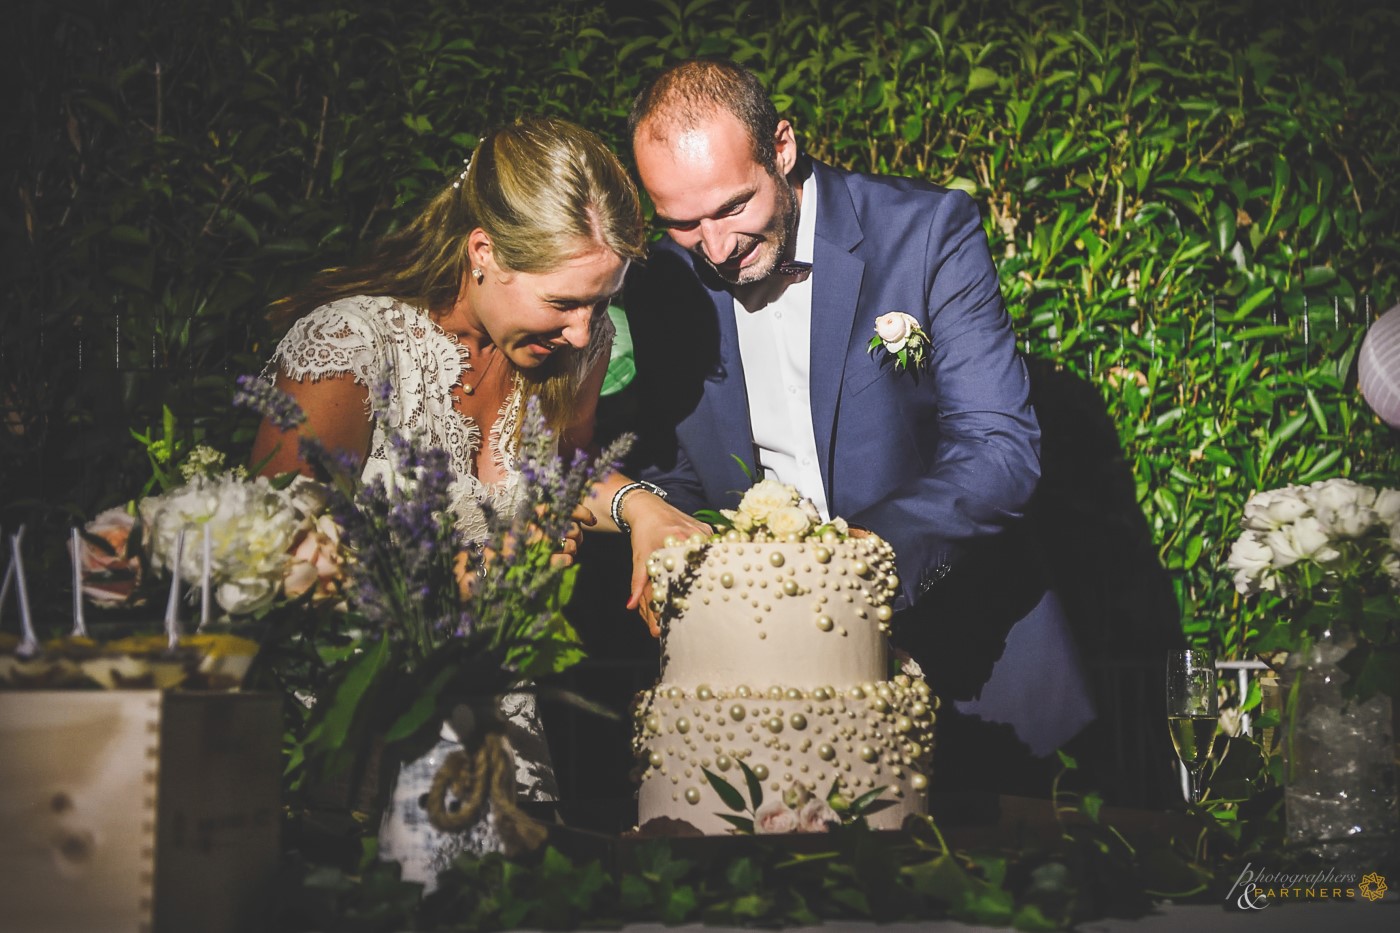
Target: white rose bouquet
(1332,549)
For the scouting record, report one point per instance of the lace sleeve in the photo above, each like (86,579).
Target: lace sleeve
(342,337)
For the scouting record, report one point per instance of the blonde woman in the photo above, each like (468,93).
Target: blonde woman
(495,292)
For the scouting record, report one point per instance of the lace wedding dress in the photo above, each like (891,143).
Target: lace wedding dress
(380,341)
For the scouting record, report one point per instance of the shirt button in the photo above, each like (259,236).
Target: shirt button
(792,390)
(777,315)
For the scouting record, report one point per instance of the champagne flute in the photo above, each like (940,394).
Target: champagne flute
(1192,714)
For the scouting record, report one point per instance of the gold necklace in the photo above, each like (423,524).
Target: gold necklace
(467,387)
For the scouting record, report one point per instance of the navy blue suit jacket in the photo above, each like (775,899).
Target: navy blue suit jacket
(937,461)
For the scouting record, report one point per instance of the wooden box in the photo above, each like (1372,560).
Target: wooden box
(138,809)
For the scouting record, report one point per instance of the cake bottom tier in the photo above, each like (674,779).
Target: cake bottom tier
(877,734)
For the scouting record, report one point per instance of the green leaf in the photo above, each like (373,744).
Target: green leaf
(328,740)
(424,708)
(727,792)
(980,79)
(754,784)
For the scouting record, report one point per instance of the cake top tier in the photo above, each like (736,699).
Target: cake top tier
(778,596)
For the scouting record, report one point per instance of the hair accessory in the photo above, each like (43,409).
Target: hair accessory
(478,275)
(466,167)
(616,510)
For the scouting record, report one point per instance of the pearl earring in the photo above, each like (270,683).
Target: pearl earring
(478,275)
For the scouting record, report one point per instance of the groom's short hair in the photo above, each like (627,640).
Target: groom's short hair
(694,90)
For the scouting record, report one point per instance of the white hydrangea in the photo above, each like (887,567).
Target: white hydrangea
(252,527)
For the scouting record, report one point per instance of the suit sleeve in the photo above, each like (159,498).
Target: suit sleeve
(985,462)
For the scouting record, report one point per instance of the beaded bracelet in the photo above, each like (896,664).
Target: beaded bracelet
(616,510)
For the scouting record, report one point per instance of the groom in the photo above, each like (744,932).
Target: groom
(752,320)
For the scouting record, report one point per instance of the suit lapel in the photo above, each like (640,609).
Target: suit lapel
(727,396)
(836,281)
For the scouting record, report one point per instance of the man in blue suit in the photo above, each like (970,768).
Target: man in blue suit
(752,321)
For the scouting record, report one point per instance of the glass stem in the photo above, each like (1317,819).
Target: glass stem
(1194,777)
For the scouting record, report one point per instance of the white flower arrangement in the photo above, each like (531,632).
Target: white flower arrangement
(267,540)
(1332,551)
(901,336)
(774,511)
(1326,536)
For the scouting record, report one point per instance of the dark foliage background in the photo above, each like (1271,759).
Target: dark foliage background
(1194,207)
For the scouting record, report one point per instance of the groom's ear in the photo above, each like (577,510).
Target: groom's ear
(784,147)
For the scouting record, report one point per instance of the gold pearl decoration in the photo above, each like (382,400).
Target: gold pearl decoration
(655,759)
(743,692)
(682,725)
(777,559)
(868,754)
(736,712)
(790,588)
(722,762)
(826,752)
(918,781)
(703,692)
(775,725)
(825,624)
(823,555)
(760,772)
(726,580)
(692,796)
(798,721)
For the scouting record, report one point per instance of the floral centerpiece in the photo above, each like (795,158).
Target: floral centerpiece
(1332,550)
(436,628)
(232,546)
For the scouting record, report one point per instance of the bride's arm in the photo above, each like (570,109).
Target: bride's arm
(335,415)
(650,519)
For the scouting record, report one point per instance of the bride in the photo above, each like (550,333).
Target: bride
(495,292)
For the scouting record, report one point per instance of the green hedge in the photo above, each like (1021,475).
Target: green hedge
(1194,206)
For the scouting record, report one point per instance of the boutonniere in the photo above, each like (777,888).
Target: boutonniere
(902,338)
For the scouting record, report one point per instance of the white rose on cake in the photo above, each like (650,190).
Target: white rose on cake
(765,497)
(789,520)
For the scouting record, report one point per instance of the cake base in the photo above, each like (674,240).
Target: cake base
(862,737)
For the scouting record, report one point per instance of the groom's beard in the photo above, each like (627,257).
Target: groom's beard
(775,248)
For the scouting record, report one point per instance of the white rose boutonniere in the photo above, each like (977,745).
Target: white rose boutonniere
(903,338)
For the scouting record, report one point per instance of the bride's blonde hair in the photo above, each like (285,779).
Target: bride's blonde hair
(544,190)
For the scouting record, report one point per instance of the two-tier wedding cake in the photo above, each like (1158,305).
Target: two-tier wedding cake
(774,654)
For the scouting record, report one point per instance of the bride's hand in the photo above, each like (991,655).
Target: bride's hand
(568,545)
(652,522)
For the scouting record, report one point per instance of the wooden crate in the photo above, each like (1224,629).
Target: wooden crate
(138,810)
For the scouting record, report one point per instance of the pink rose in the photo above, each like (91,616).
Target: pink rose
(775,817)
(895,329)
(315,560)
(109,578)
(816,816)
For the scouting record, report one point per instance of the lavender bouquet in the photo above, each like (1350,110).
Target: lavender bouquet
(435,625)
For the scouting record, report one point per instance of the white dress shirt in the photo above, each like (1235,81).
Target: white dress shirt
(775,343)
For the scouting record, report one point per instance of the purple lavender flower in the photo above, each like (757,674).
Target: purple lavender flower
(269,401)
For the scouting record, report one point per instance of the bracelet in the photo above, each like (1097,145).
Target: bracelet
(616,511)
